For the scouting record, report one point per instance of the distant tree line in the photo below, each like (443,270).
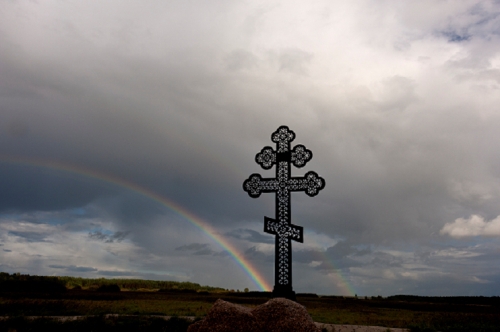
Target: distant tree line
(25,282)
(31,284)
(477,300)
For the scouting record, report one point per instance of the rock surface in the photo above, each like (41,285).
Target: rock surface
(226,317)
(280,314)
(276,315)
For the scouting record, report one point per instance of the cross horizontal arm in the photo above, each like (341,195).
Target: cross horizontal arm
(311,183)
(293,232)
(255,185)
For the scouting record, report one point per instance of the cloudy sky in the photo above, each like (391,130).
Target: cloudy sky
(128,127)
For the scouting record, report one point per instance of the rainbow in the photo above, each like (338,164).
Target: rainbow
(343,285)
(249,269)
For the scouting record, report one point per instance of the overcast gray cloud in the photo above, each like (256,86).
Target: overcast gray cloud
(127,128)
(250,235)
(117,236)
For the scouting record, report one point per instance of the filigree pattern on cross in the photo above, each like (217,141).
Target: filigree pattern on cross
(283,184)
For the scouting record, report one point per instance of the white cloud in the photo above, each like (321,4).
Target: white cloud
(453,253)
(474,226)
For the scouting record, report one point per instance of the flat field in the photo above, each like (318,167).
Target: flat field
(416,313)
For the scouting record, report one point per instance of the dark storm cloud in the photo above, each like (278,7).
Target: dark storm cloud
(57,266)
(344,248)
(33,188)
(456,38)
(340,256)
(386,261)
(254,254)
(250,236)
(73,268)
(204,252)
(30,236)
(98,236)
(201,249)
(109,238)
(193,247)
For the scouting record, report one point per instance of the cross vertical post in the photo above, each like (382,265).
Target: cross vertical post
(283,184)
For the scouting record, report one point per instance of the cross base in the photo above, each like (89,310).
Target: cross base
(284,291)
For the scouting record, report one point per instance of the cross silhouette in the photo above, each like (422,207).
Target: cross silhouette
(283,185)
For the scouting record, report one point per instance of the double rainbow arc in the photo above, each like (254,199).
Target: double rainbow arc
(201,224)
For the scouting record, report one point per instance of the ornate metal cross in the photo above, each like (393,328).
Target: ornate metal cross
(283,185)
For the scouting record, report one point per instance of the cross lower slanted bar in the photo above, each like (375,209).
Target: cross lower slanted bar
(283,185)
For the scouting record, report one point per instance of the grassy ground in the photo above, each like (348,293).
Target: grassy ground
(96,324)
(417,316)
(432,315)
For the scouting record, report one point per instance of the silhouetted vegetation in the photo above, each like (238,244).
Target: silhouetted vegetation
(136,284)
(30,284)
(113,288)
(478,300)
(418,313)
(24,282)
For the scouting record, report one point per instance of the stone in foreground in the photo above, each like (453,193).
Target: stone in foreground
(280,314)
(276,315)
(226,317)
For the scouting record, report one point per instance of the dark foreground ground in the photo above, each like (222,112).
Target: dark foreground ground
(416,313)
